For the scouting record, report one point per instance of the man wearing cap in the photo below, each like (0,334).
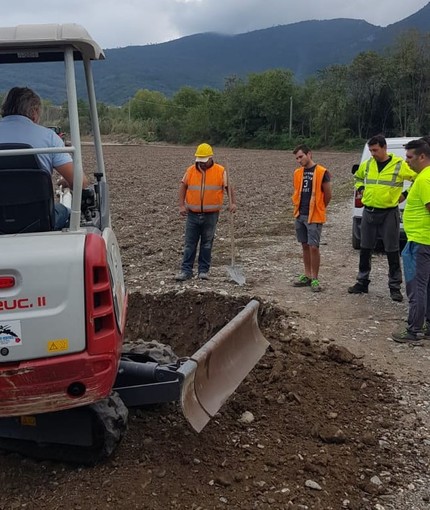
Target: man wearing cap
(201,196)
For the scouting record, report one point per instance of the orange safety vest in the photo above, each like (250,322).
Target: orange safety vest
(205,188)
(317,206)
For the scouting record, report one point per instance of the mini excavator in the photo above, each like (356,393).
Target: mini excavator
(66,380)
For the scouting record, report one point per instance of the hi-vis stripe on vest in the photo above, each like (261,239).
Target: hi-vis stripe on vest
(391,182)
(205,189)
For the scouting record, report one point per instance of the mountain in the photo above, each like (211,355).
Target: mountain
(206,60)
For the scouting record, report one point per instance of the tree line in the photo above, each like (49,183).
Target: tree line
(338,107)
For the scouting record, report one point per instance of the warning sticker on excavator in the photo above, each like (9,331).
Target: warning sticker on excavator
(10,333)
(61,344)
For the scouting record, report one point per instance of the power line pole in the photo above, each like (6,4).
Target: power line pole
(291,118)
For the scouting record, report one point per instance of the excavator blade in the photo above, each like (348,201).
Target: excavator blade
(214,372)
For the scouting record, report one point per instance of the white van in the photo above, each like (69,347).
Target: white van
(395,146)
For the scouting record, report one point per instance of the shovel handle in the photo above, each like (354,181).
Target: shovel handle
(231,219)
(232,247)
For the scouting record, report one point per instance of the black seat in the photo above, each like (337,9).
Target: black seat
(26,194)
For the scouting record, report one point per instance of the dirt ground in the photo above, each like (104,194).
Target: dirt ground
(340,413)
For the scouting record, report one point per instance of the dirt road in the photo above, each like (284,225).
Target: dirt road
(332,428)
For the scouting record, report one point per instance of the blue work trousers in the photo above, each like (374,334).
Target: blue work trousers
(62,216)
(416,265)
(199,228)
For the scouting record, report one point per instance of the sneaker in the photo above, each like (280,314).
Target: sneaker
(302,281)
(358,288)
(203,276)
(315,285)
(182,276)
(406,337)
(426,331)
(396,295)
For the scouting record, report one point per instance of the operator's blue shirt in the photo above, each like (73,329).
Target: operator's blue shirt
(20,129)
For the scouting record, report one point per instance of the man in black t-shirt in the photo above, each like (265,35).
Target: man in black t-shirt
(380,179)
(312,194)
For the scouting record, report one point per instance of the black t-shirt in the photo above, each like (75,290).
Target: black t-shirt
(383,164)
(305,199)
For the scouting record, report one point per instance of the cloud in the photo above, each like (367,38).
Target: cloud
(136,22)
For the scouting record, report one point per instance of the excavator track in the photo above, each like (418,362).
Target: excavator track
(83,435)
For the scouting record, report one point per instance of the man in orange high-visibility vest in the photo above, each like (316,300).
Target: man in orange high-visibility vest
(312,194)
(201,196)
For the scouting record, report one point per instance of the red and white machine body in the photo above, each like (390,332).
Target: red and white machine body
(62,314)
(62,294)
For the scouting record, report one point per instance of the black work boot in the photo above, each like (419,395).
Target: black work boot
(396,295)
(359,288)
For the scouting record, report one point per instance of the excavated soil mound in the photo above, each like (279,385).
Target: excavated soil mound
(302,431)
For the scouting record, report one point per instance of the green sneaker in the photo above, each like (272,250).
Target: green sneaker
(315,285)
(302,281)
(406,337)
(426,331)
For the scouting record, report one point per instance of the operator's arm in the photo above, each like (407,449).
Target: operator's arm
(66,172)
(182,192)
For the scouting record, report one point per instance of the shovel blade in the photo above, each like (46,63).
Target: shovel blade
(214,372)
(236,274)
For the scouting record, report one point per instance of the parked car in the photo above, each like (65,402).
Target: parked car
(395,146)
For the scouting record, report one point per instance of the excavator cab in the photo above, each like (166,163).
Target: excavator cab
(65,381)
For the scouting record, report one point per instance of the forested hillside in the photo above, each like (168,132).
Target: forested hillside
(338,107)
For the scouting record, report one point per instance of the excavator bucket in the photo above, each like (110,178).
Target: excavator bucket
(214,372)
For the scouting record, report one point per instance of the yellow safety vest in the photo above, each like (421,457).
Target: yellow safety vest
(383,189)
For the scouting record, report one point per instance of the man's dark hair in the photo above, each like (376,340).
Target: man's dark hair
(21,101)
(377,140)
(302,147)
(419,146)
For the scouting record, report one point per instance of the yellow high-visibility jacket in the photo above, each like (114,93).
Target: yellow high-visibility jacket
(383,189)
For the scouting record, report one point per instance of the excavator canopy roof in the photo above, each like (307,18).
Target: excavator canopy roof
(46,43)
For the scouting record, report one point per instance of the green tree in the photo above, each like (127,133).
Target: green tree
(408,70)
(331,102)
(238,113)
(270,94)
(147,104)
(366,80)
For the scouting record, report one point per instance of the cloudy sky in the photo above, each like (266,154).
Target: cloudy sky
(119,23)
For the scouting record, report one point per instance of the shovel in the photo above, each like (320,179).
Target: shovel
(234,271)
